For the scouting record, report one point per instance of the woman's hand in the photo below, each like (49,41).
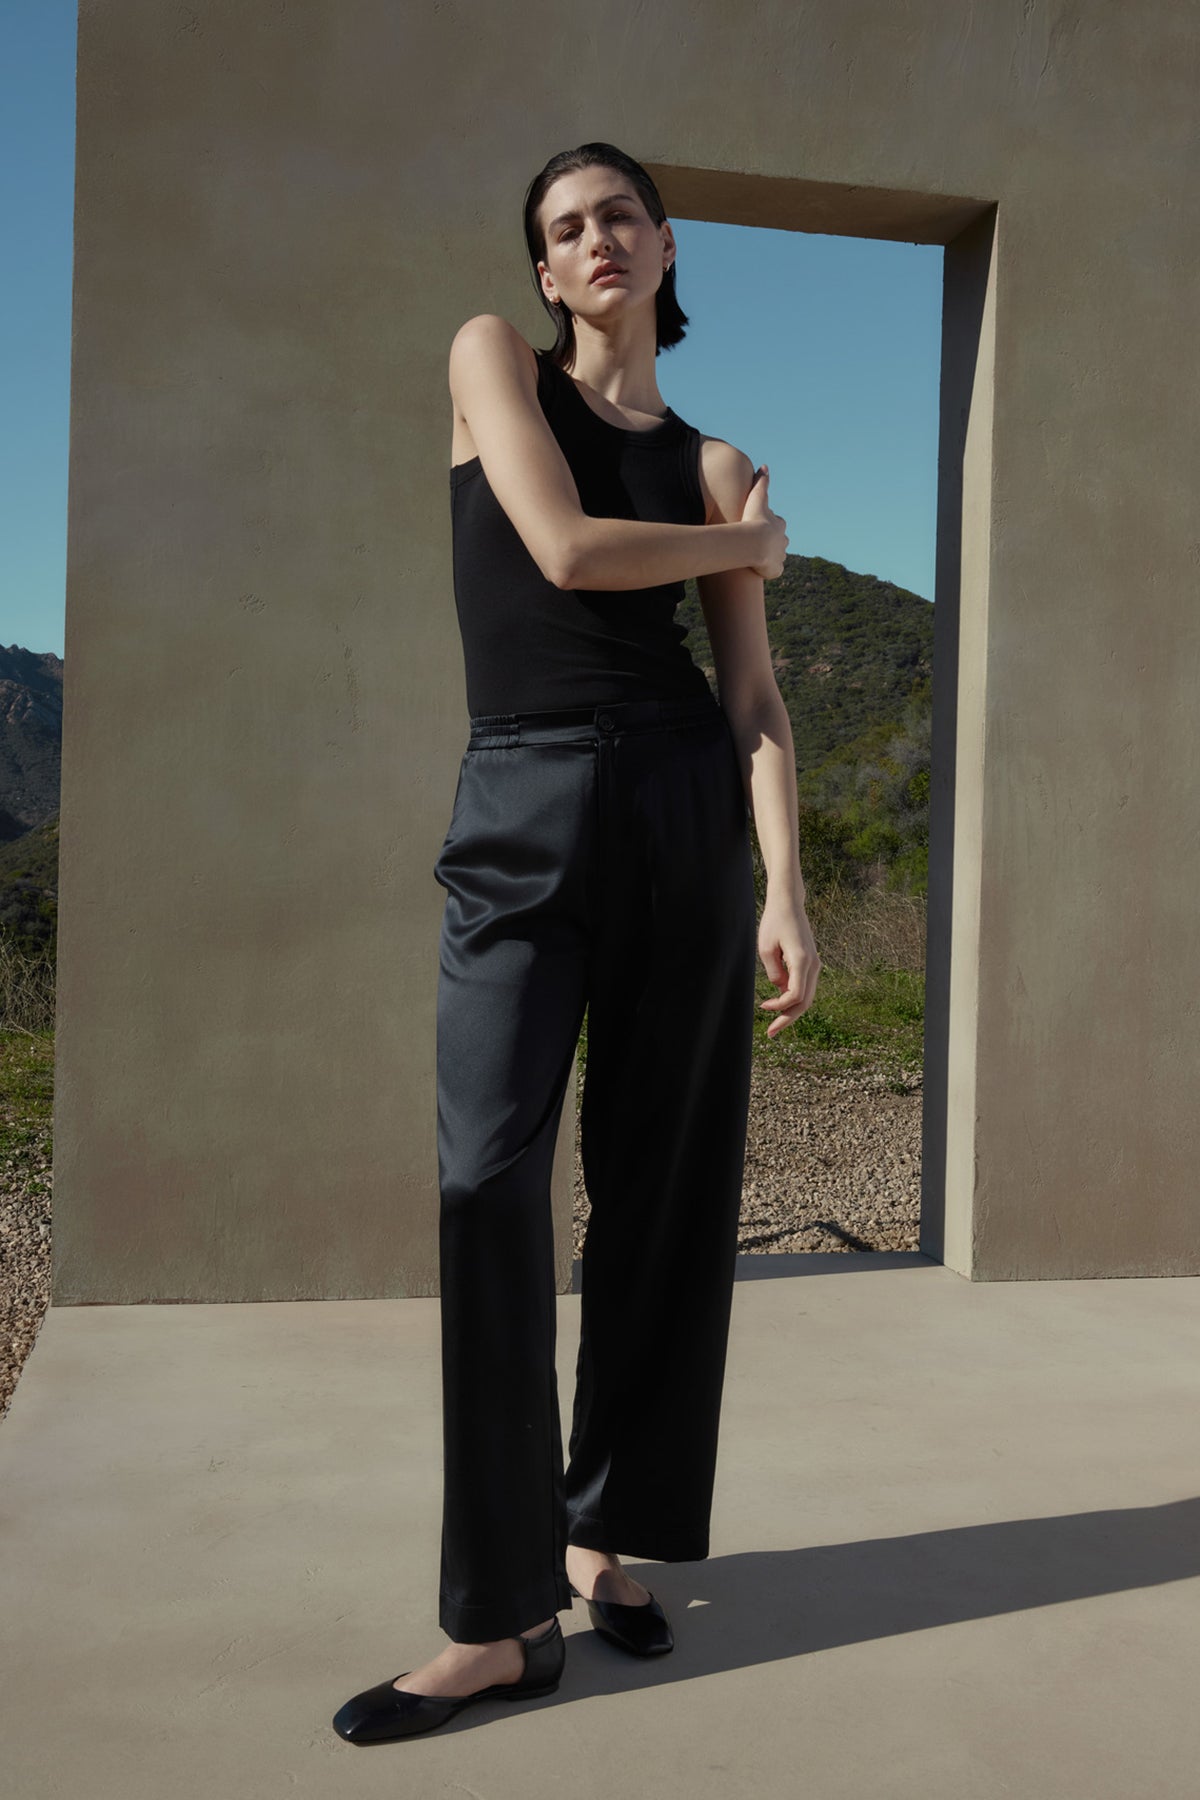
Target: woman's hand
(785,945)
(757,511)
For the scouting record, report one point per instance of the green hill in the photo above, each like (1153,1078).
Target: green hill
(849,651)
(29,887)
(853,657)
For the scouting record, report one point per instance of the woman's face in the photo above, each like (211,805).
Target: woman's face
(594,216)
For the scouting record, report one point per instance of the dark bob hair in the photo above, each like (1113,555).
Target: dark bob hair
(670,319)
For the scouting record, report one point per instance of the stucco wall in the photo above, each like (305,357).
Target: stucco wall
(283,214)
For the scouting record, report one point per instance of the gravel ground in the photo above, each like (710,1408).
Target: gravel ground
(833,1162)
(24,1255)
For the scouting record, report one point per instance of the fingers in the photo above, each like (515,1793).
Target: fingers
(794,1000)
(791,995)
(798,993)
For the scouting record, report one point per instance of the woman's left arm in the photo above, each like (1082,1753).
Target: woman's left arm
(735,615)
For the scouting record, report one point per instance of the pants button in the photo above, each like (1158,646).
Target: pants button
(604,721)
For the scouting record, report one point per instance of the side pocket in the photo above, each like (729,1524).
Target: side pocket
(448,840)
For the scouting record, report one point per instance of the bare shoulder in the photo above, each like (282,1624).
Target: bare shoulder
(487,356)
(726,477)
(486,341)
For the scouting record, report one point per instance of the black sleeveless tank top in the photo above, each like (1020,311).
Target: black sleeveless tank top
(530,646)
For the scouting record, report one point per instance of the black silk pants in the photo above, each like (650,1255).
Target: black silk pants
(596,857)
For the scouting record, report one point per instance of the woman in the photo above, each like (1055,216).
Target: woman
(597,856)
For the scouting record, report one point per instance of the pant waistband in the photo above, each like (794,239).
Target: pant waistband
(605,719)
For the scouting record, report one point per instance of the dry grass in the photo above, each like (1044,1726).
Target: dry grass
(877,929)
(26,990)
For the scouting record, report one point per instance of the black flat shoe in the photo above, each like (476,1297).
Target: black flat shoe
(643,1630)
(382,1713)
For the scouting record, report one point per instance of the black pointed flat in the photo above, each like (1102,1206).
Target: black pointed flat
(642,1630)
(380,1714)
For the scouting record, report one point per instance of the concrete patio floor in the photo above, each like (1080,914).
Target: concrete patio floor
(956,1553)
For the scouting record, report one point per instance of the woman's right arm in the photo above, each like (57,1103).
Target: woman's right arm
(493,381)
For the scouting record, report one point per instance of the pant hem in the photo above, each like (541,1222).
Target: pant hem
(469,1624)
(592,1533)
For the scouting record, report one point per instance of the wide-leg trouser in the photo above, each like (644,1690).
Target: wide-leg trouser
(597,858)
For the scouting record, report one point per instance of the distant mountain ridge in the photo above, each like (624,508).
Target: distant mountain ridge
(849,651)
(31,707)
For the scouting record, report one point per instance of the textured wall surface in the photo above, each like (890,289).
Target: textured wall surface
(283,214)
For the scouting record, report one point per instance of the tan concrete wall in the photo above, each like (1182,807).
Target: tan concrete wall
(283,214)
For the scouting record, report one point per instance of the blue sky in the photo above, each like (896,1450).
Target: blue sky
(816,355)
